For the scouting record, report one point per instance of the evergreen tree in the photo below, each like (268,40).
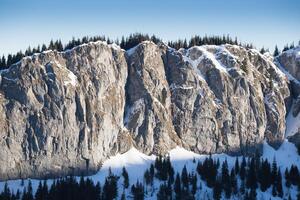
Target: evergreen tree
(225,179)
(28,194)
(184,178)
(177,187)
(279,184)
(276,51)
(39,195)
(251,181)
(123,197)
(162,193)
(236,166)
(217,190)
(125,177)
(44,48)
(233,181)
(110,189)
(147,177)
(152,171)
(252,194)
(138,191)
(287,178)
(194,183)
(264,175)
(243,169)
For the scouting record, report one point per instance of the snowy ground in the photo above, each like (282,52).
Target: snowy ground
(136,163)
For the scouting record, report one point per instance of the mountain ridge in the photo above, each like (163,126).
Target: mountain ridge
(150,86)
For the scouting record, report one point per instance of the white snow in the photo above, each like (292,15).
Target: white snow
(285,156)
(194,64)
(131,51)
(173,86)
(268,101)
(206,54)
(115,46)
(136,163)
(72,79)
(130,111)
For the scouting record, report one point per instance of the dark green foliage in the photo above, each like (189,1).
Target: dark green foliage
(243,169)
(164,192)
(237,166)
(177,187)
(217,190)
(110,188)
(125,177)
(251,181)
(164,169)
(27,193)
(276,51)
(292,176)
(208,170)
(257,172)
(126,43)
(137,191)
(233,181)
(264,175)
(225,179)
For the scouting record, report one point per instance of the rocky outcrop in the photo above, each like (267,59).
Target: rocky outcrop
(289,62)
(66,112)
(61,113)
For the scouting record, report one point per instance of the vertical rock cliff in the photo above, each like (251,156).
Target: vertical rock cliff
(66,112)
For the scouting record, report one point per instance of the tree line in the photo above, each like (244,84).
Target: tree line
(242,181)
(125,43)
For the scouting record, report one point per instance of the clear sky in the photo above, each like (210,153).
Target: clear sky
(262,22)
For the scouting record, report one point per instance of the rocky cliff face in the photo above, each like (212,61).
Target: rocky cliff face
(67,112)
(289,62)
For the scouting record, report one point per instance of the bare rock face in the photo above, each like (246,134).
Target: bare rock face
(148,115)
(63,113)
(226,98)
(289,62)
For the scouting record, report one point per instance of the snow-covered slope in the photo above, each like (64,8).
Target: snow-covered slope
(136,163)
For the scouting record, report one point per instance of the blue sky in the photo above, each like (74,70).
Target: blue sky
(33,22)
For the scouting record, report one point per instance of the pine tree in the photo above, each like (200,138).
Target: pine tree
(252,194)
(276,51)
(147,177)
(184,178)
(225,179)
(287,178)
(217,190)
(233,181)
(126,178)
(44,48)
(264,175)
(274,192)
(177,187)
(251,181)
(279,184)
(163,192)
(236,166)
(138,191)
(243,169)
(194,183)
(28,194)
(39,195)
(274,171)
(6,194)
(123,197)
(110,189)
